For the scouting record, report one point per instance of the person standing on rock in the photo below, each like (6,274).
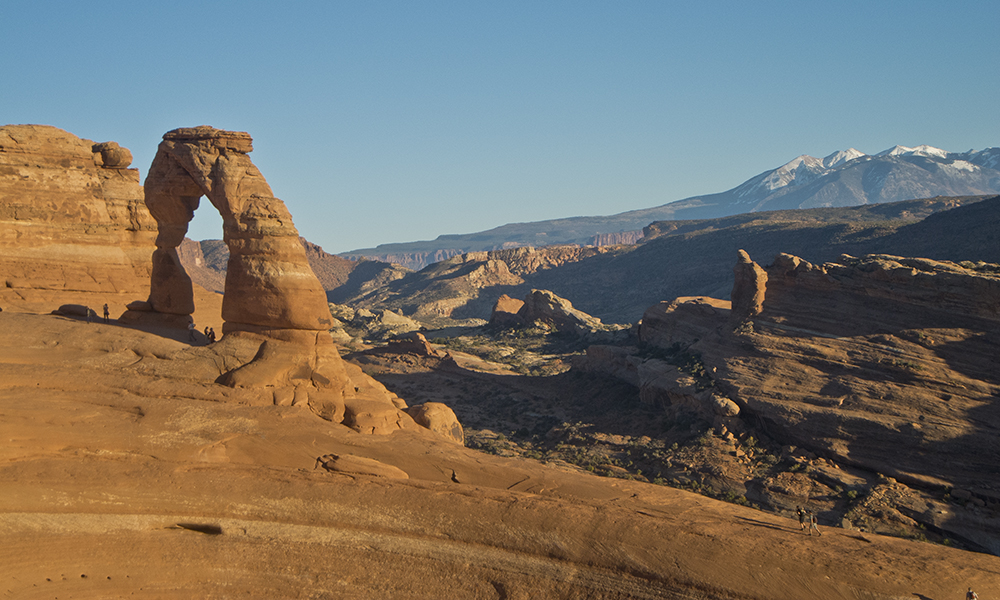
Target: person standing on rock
(970,595)
(107,313)
(813,524)
(802,518)
(191,330)
(211,335)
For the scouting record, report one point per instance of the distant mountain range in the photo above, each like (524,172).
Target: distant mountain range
(844,178)
(683,258)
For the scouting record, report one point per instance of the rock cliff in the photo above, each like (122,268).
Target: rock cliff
(73,226)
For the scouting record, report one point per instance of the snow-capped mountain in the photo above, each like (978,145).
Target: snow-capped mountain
(845,178)
(922,150)
(850,177)
(838,158)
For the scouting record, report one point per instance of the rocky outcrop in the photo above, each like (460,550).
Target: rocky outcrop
(410,343)
(882,363)
(749,287)
(331,270)
(435,294)
(413,261)
(620,362)
(529,260)
(679,322)
(461,288)
(192,257)
(841,297)
(660,382)
(73,226)
(359,465)
(545,308)
(504,313)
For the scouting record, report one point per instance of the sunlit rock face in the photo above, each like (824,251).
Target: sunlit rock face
(269,284)
(73,226)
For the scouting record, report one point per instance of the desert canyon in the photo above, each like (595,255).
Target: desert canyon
(363,431)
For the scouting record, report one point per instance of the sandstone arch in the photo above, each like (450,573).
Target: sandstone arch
(277,320)
(270,288)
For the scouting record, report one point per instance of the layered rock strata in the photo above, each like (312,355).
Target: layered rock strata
(73,225)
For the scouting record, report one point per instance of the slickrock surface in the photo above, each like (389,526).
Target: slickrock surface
(124,476)
(73,226)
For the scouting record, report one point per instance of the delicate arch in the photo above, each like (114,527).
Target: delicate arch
(269,284)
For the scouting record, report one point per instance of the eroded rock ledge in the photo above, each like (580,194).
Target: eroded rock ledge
(73,225)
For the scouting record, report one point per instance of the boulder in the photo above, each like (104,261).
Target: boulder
(718,405)
(440,419)
(74,310)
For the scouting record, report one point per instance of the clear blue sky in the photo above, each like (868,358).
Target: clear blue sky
(397,121)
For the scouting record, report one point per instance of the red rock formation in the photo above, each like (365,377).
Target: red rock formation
(882,363)
(749,287)
(544,307)
(505,311)
(193,260)
(73,226)
(269,286)
(274,303)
